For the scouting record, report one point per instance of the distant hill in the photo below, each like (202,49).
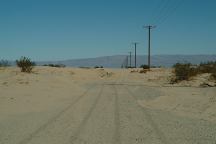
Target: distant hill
(117,60)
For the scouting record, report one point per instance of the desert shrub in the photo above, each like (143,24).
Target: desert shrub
(60,65)
(98,67)
(213,74)
(51,65)
(4,63)
(144,66)
(153,66)
(25,64)
(208,67)
(55,65)
(83,67)
(184,71)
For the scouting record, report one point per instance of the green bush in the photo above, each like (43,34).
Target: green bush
(4,63)
(98,67)
(51,65)
(55,65)
(184,71)
(208,67)
(144,66)
(25,64)
(213,75)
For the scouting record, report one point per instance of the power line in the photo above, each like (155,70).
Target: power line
(170,12)
(159,6)
(165,5)
(167,10)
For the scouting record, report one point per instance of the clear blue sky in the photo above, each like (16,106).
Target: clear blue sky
(69,29)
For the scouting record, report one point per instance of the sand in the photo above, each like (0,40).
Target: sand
(104,106)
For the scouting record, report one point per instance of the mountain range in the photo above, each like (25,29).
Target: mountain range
(117,61)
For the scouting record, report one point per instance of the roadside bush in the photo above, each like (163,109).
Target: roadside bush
(209,67)
(25,64)
(144,66)
(184,71)
(98,67)
(51,65)
(55,65)
(4,63)
(213,75)
(59,65)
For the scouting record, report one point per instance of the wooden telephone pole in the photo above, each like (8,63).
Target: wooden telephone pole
(149,43)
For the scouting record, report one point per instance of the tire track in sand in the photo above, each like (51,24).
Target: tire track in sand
(82,125)
(149,119)
(116,136)
(53,119)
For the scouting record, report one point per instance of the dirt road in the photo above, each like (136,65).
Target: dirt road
(108,113)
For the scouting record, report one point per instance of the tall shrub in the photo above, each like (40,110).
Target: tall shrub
(25,64)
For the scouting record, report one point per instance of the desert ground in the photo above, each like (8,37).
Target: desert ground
(104,106)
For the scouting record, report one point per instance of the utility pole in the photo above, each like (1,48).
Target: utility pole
(135,46)
(149,27)
(130,58)
(127,62)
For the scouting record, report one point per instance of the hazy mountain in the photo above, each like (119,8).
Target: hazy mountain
(117,60)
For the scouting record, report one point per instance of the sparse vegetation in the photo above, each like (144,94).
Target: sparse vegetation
(130,67)
(83,67)
(144,66)
(213,75)
(184,71)
(4,63)
(25,64)
(208,67)
(98,67)
(55,65)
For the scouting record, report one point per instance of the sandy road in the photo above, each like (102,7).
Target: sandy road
(93,118)
(109,113)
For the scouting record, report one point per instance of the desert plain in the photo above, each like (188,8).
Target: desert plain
(105,106)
